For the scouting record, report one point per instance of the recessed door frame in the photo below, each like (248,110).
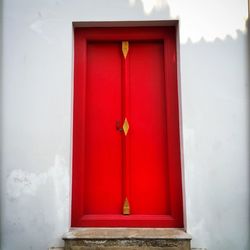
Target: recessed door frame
(112,31)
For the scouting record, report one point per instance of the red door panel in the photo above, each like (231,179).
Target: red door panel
(103,172)
(108,164)
(148,134)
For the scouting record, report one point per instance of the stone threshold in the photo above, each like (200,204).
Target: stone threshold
(126,233)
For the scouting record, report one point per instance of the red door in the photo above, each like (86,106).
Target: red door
(126,156)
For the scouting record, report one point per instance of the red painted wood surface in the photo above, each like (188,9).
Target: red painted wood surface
(143,166)
(148,134)
(103,170)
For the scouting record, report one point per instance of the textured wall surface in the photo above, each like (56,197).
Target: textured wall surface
(36,115)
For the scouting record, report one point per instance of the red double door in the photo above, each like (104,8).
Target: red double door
(126,157)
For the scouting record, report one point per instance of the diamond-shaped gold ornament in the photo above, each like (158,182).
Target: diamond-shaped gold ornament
(125,126)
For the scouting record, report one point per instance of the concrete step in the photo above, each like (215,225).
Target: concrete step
(127,239)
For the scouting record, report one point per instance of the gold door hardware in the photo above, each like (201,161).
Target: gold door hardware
(125,47)
(126,207)
(125,126)
(118,126)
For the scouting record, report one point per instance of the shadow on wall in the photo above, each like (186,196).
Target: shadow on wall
(215,105)
(1,106)
(248,70)
(197,19)
(150,6)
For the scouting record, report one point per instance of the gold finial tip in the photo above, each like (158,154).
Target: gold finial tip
(125,48)
(126,207)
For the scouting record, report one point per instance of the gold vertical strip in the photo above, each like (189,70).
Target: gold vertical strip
(125,48)
(126,207)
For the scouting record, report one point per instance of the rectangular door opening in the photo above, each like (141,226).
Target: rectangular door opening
(126,146)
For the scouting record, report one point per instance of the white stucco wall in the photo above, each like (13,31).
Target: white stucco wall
(36,115)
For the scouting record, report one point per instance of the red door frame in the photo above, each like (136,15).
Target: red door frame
(168,36)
